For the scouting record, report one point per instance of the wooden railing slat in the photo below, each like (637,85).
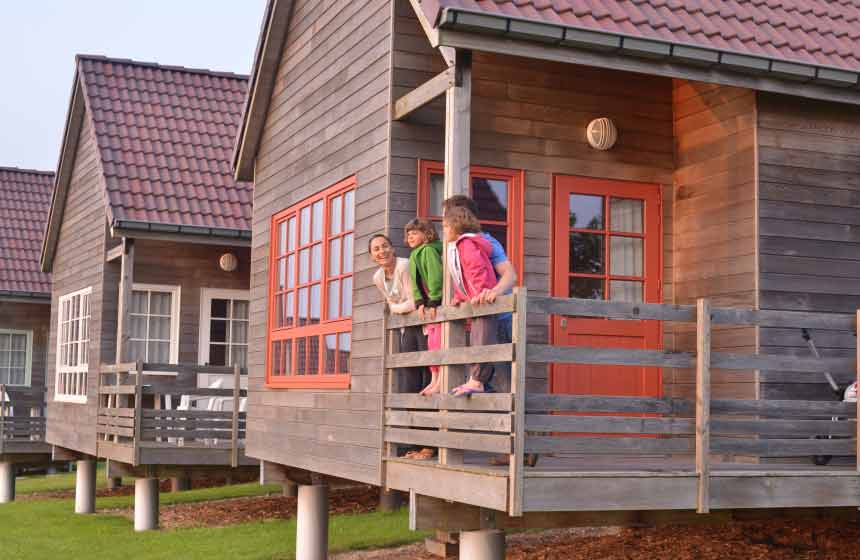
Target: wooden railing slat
(477,421)
(608,446)
(470,441)
(488,402)
(452,356)
(608,424)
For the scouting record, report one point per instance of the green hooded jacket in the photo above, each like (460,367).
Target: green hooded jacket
(425,270)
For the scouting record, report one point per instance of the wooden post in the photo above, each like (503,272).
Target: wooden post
(519,367)
(234,437)
(458,122)
(138,411)
(2,417)
(857,380)
(703,403)
(126,281)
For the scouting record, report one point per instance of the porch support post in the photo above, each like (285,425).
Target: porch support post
(85,486)
(390,500)
(145,504)
(458,124)
(180,483)
(290,489)
(703,404)
(312,523)
(7,482)
(114,482)
(126,281)
(487,544)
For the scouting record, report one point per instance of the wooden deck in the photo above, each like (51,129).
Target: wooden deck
(610,453)
(22,425)
(164,418)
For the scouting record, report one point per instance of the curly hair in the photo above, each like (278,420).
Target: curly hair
(424,226)
(459,201)
(462,220)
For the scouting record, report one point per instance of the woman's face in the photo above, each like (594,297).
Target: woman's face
(381,251)
(415,237)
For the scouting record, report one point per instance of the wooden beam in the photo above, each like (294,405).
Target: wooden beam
(234,436)
(703,403)
(114,253)
(423,94)
(519,367)
(857,388)
(126,282)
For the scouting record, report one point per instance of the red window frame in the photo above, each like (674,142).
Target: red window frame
(514,223)
(339,325)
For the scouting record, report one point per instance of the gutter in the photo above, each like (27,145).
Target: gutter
(608,42)
(150,227)
(37,297)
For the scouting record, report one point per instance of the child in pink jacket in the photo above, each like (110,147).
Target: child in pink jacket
(471,272)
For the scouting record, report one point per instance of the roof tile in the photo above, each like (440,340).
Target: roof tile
(25,199)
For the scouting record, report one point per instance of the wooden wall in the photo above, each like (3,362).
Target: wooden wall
(714,219)
(809,182)
(78,264)
(328,120)
(531,115)
(34,317)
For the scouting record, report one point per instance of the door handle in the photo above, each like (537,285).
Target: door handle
(564,322)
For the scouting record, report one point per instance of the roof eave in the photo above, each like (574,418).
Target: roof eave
(25,297)
(190,234)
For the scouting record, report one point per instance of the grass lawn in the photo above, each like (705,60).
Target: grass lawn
(57,482)
(49,528)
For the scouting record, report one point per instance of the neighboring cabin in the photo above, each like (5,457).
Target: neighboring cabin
(148,243)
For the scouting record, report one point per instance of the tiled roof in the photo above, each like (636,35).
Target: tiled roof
(165,135)
(820,32)
(25,198)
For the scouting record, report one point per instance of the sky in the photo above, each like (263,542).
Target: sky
(39,40)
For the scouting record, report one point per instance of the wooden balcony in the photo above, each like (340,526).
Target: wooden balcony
(22,424)
(628,453)
(172,415)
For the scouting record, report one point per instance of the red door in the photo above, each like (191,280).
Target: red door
(606,245)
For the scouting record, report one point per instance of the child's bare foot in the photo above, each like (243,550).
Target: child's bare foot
(467,388)
(431,389)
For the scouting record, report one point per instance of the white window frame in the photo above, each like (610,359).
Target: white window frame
(28,364)
(175,300)
(206,297)
(80,368)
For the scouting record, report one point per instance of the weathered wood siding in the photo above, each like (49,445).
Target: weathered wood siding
(714,236)
(78,264)
(531,115)
(328,120)
(809,213)
(35,317)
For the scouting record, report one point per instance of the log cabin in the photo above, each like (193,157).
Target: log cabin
(25,307)
(654,170)
(148,241)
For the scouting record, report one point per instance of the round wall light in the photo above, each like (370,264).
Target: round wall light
(601,133)
(228,262)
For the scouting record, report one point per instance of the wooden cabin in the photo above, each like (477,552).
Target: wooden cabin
(25,297)
(642,163)
(148,241)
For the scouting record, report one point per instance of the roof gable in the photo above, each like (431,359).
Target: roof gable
(25,197)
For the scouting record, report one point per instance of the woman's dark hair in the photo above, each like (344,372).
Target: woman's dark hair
(382,235)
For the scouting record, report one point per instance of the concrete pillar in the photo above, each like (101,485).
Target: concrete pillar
(487,544)
(145,504)
(312,523)
(180,483)
(114,482)
(390,500)
(7,483)
(291,490)
(85,487)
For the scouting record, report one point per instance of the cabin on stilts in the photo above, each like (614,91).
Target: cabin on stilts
(25,308)
(677,189)
(148,240)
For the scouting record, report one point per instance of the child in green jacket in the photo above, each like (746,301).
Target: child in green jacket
(425,271)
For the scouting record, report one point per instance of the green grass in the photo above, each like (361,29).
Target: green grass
(48,528)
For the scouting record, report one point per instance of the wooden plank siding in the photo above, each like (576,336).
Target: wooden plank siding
(714,230)
(34,317)
(809,213)
(328,119)
(79,263)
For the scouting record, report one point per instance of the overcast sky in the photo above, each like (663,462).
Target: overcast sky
(39,40)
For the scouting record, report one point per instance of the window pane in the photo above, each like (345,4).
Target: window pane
(624,290)
(330,353)
(491,195)
(305,226)
(218,308)
(17,359)
(333,299)
(318,220)
(159,352)
(159,303)
(347,253)
(437,193)
(345,340)
(218,331)
(275,367)
(239,356)
(138,350)
(138,302)
(290,309)
(313,355)
(625,256)
(287,349)
(347,297)
(349,210)
(586,288)
(291,271)
(5,343)
(334,257)
(279,310)
(303,306)
(316,262)
(625,214)
(586,253)
(282,239)
(335,215)
(159,328)
(586,211)
(19,342)
(18,376)
(240,332)
(282,274)
(217,355)
(301,356)
(315,304)
(304,265)
(240,309)
(291,240)
(137,326)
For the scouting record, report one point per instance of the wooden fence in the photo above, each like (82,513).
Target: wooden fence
(605,426)
(22,417)
(167,410)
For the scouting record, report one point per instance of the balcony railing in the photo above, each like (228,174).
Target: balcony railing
(22,419)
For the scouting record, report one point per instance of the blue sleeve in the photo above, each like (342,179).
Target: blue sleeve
(497,255)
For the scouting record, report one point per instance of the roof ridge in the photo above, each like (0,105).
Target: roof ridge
(25,170)
(131,62)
